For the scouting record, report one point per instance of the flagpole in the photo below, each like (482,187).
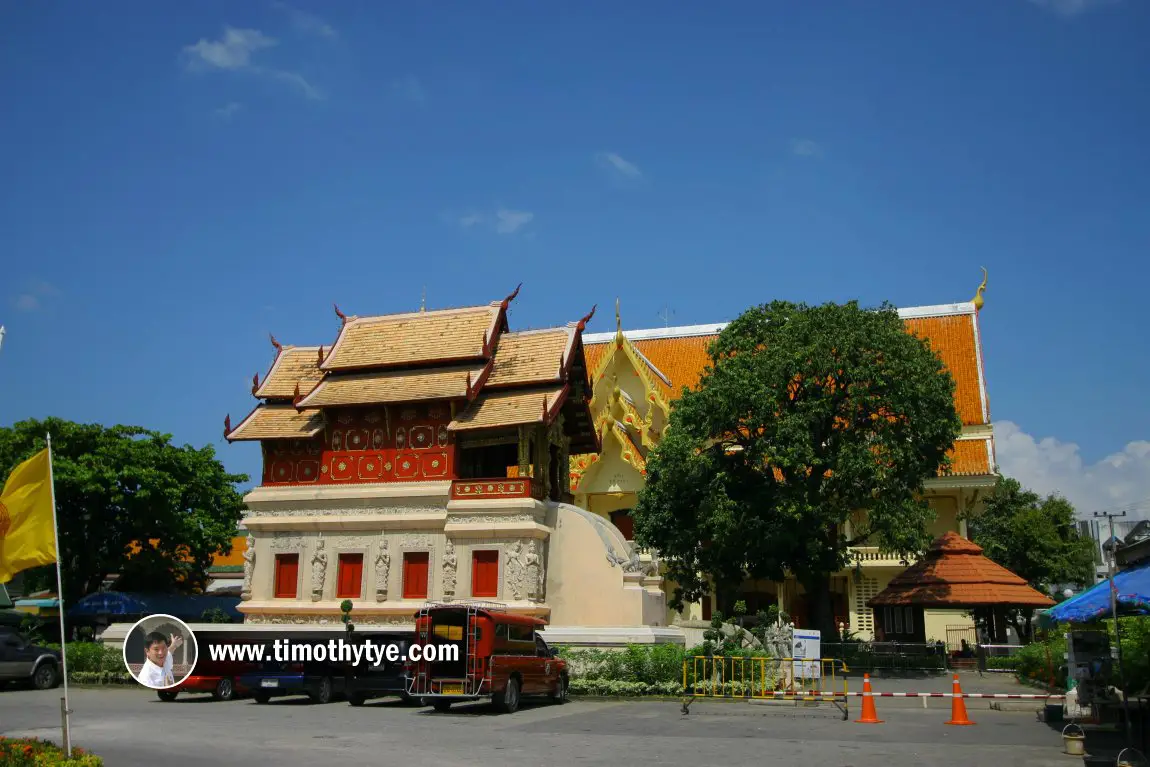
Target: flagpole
(65,708)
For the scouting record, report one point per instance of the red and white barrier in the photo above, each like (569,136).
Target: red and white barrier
(1008,696)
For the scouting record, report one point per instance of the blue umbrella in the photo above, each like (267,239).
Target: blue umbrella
(1132,587)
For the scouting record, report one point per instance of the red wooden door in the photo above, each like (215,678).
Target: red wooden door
(415,569)
(485,574)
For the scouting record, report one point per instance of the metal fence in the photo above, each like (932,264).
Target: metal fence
(806,680)
(888,656)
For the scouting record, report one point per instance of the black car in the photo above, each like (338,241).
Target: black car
(383,679)
(22,661)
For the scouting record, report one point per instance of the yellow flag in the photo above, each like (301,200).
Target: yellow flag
(27,532)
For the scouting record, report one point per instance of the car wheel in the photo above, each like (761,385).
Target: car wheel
(323,695)
(45,676)
(166,695)
(508,702)
(225,690)
(262,697)
(560,693)
(356,698)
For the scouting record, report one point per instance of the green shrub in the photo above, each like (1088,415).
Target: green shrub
(35,752)
(91,657)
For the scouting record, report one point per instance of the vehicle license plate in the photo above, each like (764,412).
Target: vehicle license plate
(269,683)
(452,689)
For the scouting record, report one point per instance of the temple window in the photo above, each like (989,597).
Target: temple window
(485,573)
(349,582)
(415,569)
(286,576)
(491,461)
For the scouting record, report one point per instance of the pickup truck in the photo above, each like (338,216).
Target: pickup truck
(22,661)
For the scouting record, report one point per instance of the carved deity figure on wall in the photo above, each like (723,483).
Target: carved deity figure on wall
(534,571)
(449,562)
(514,570)
(249,567)
(318,571)
(382,569)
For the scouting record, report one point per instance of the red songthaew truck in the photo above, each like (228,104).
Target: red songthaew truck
(483,652)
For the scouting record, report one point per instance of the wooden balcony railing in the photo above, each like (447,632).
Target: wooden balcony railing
(500,487)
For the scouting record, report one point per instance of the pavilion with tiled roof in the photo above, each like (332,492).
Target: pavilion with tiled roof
(953,575)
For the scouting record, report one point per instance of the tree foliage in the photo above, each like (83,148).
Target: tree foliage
(1035,538)
(806,417)
(122,485)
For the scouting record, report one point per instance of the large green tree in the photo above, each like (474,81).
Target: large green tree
(806,417)
(116,486)
(1036,539)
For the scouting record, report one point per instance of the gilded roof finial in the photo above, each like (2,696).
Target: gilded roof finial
(977,300)
(618,321)
(423,300)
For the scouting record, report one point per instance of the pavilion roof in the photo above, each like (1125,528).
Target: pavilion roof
(532,356)
(954,573)
(415,338)
(389,387)
(293,365)
(269,421)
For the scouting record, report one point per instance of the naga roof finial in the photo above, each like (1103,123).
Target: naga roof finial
(978,300)
(255,383)
(339,314)
(507,301)
(279,347)
(227,425)
(319,359)
(583,322)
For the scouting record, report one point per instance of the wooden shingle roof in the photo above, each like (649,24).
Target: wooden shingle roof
(275,422)
(293,365)
(531,357)
(514,407)
(389,387)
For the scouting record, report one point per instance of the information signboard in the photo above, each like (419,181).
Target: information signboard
(807,646)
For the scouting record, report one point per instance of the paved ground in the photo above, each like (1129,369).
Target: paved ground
(131,727)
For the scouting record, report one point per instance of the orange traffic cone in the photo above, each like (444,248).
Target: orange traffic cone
(869,715)
(958,706)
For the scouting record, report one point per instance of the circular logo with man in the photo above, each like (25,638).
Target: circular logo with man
(160,651)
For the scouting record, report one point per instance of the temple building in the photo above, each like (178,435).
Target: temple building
(637,374)
(424,457)
(440,456)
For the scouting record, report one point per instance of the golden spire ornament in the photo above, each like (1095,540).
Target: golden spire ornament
(977,300)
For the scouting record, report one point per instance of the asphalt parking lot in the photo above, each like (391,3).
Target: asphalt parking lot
(131,726)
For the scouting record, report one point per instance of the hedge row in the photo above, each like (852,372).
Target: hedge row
(35,752)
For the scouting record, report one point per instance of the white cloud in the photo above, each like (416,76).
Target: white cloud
(410,88)
(306,22)
(1071,8)
(233,53)
(503,221)
(1119,481)
(229,109)
(511,221)
(618,165)
(805,147)
(33,297)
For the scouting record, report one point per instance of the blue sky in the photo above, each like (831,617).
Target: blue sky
(182,179)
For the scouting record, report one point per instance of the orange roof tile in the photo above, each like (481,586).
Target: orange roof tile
(954,573)
(293,364)
(414,338)
(239,546)
(681,353)
(969,457)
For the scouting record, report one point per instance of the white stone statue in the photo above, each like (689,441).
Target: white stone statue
(382,569)
(449,562)
(514,570)
(249,567)
(318,571)
(534,571)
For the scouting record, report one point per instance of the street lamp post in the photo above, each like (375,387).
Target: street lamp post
(1113,556)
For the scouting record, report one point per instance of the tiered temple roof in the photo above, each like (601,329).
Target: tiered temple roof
(675,357)
(466,356)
